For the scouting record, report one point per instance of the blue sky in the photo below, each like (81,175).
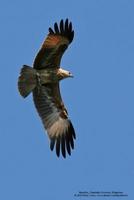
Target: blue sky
(100,100)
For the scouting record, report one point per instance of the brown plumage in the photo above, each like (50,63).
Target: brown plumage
(43,80)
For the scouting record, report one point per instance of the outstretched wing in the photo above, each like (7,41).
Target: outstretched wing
(54,46)
(55,119)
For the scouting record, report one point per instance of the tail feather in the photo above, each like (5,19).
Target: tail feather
(27,80)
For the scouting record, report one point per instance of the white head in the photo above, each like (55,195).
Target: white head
(64,73)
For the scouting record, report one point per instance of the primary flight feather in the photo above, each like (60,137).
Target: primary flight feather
(43,81)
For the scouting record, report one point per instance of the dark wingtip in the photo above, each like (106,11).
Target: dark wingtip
(64,29)
(52,143)
(56,28)
(66,24)
(51,30)
(64,143)
(63,146)
(72,130)
(58,146)
(62,26)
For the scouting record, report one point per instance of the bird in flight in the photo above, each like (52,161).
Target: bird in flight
(43,81)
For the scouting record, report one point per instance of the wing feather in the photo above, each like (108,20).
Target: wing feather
(62,26)
(68,146)
(52,143)
(55,119)
(56,28)
(54,46)
(51,31)
(70,26)
(58,146)
(63,146)
(66,25)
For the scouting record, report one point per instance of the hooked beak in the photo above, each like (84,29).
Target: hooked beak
(71,75)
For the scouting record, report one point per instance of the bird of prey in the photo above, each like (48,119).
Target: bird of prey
(43,81)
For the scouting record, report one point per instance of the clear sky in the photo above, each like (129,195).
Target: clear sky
(100,101)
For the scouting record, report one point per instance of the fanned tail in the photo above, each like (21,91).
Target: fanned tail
(27,80)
